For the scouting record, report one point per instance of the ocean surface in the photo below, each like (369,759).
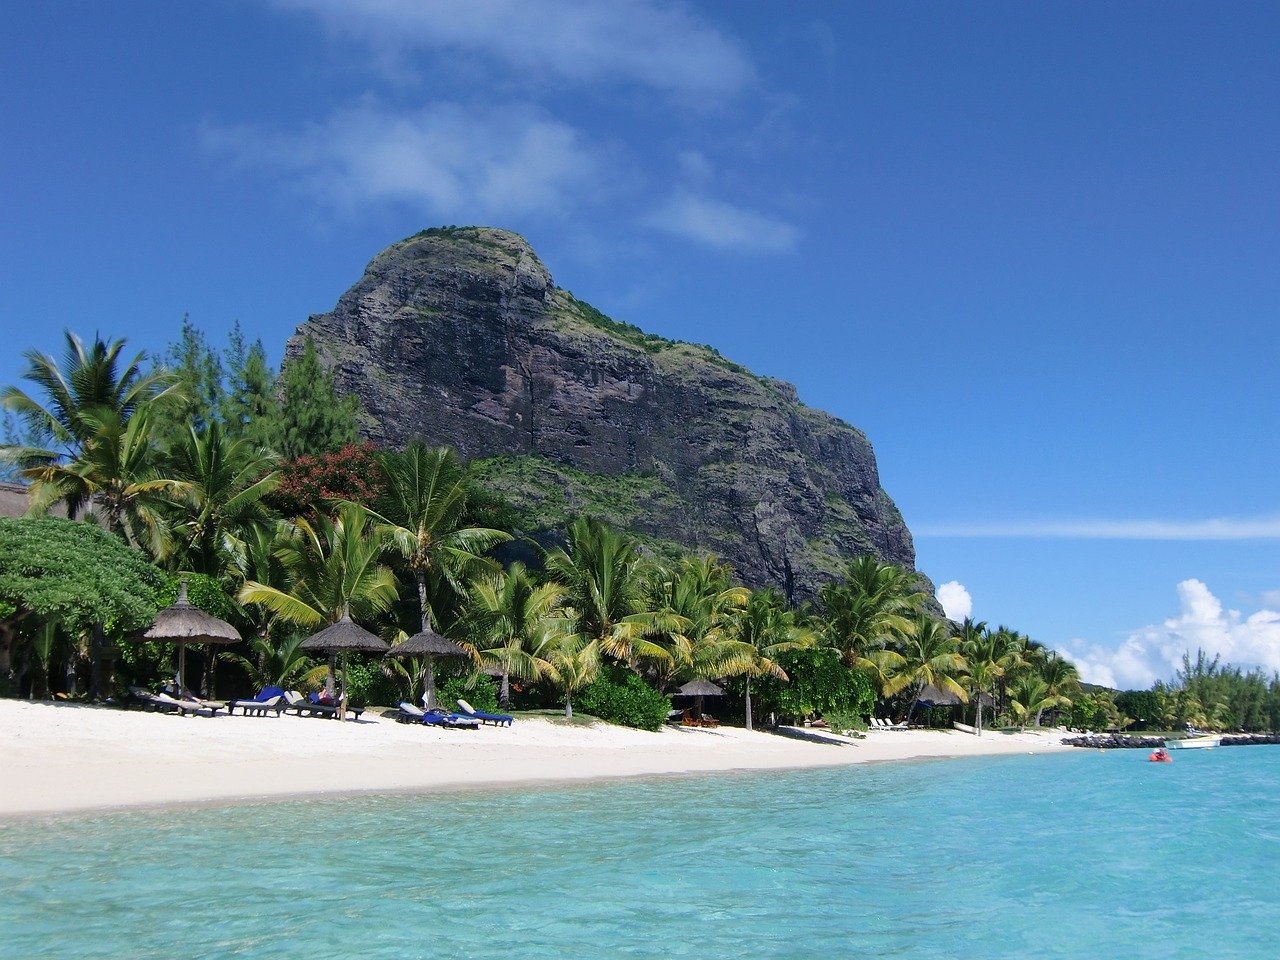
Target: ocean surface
(1088,855)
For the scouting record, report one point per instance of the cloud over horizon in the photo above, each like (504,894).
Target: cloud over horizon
(1155,652)
(956,602)
(1219,528)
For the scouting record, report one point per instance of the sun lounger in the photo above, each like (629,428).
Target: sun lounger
(139,697)
(190,707)
(497,719)
(303,707)
(258,708)
(451,721)
(878,724)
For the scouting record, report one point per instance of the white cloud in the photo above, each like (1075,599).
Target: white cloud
(1222,528)
(451,161)
(722,225)
(1155,652)
(654,43)
(955,600)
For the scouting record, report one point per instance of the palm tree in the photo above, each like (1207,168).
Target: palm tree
(116,472)
(1030,696)
(982,651)
(1062,679)
(273,666)
(422,519)
(217,497)
(929,657)
(693,603)
(871,607)
(768,629)
(508,617)
(332,567)
(604,579)
(574,662)
(78,393)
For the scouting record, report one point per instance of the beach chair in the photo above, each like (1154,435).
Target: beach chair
(450,721)
(408,713)
(497,719)
(709,721)
(146,700)
(889,725)
(190,707)
(296,703)
(268,699)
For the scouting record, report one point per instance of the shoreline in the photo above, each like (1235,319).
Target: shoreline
(74,760)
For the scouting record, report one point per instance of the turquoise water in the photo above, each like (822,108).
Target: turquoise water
(1097,855)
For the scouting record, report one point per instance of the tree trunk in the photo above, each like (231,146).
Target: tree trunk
(422,600)
(6,658)
(95,664)
(979,714)
(912,708)
(1039,714)
(429,695)
(748,701)
(568,706)
(504,691)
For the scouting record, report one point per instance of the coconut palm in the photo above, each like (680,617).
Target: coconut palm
(604,579)
(509,615)
(66,412)
(271,665)
(1062,679)
(1030,697)
(693,604)
(332,567)
(929,656)
(422,517)
(573,660)
(982,651)
(768,629)
(871,608)
(217,497)
(116,472)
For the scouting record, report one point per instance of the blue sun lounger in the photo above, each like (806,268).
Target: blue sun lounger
(435,718)
(497,719)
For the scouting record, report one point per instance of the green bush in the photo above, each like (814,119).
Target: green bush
(819,682)
(618,695)
(483,695)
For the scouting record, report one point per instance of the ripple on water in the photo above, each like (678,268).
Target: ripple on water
(1083,855)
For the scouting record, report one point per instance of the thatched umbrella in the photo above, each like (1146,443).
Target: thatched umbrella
(931,696)
(428,644)
(184,623)
(345,636)
(698,689)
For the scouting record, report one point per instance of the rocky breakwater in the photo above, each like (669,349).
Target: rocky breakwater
(1115,741)
(460,337)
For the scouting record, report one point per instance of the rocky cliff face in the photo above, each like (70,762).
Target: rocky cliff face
(459,336)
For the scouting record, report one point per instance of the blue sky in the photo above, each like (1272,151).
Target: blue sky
(1029,249)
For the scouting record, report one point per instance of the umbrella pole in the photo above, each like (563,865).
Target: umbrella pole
(177,676)
(328,683)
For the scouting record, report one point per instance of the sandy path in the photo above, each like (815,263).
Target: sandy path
(63,758)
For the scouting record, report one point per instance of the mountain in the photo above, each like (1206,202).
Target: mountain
(460,337)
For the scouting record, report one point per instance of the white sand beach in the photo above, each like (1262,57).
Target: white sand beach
(65,758)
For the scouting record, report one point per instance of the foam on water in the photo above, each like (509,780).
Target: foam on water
(1086,855)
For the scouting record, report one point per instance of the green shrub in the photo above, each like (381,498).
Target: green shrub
(618,695)
(483,695)
(819,682)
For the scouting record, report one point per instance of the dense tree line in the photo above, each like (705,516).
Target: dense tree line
(210,464)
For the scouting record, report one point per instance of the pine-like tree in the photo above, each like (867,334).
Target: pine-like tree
(313,418)
(250,409)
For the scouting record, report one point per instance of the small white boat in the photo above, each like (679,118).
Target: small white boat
(1193,743)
